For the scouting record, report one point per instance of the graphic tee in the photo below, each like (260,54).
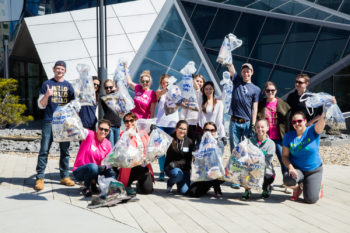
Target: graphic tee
(304,151)
(271,116)
(143,100)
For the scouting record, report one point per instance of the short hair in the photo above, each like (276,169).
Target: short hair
(104,121)
(130,114)
(210,123)
(269,83)
(262,119)
(304,76)
(299,113)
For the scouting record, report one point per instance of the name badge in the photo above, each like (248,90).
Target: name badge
(185,149)
(93,148)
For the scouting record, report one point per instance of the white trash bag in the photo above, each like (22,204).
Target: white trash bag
(158,144)
(124,154)
(143,126)
(208,163)
(173,97)
(227,90)
(67,125)
(189,98)
(246,166)
(120,74)
(84,86)
(230,43)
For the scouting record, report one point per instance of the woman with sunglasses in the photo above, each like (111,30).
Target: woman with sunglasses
(178,159)
(200,188)
(211,109)
(275,111)
(110,115)
(300,155)
(165,122)
(91,152)
(145,98)
(143,174)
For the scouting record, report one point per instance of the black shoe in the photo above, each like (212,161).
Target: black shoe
(246,195)
(86,192)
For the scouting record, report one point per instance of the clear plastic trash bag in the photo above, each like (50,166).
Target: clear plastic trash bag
(120,102)
(227,90)
(143,126)
(246,166)
(230,43)
(173,97)
(67,125)
(189,98)
(158,144)
(208,163)
(120,74)
(84,86)
(333,115)
(124,154)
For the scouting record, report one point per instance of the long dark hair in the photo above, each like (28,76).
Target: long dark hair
(205,98)
(180,122)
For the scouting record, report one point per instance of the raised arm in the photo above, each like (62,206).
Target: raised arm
(231,69)
(128,78)
(159,93)
(320,124)
(43,101)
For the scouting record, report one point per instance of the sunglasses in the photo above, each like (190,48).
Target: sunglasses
(210,130)
(103,129)
(297,121)
(270,90)
(109,87)
(96,85)
(299,82)
(129,121)
(145,81)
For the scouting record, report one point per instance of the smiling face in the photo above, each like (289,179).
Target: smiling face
(270,91)
(102,131)
(59,72)
(246,74)
(261,128)
(181,131)
(299,122)
(109,85)
(165,83)
(130,123)
(199,81)
(208,90)
(300,84)
(145,82)
(96,84)
(211,129)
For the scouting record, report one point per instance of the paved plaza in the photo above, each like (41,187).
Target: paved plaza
(63,209)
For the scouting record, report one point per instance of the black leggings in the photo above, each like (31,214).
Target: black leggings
(144,179)
(200,188)
(268,180)
(311,183)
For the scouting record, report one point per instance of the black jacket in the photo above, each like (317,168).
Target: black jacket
(110,115)
(180,153)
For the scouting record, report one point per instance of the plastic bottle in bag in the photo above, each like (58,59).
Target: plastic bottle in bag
(173,97)
(84,86)
(227,90)
(230,43)
(143,126)
(158,144)
(120,74)
(189,98)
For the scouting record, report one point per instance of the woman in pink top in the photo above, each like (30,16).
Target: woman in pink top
(145,99)
(92,151)
(143,174)
(276,111)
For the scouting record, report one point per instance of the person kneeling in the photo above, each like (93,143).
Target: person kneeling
(143,174)
(91,152)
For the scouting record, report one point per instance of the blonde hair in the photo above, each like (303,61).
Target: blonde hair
(107,81)
(200,76)
(164,76)
(146,73)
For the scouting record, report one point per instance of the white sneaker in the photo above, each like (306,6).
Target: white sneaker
(169,189)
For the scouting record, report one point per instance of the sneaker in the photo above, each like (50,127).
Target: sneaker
(130,191)
(246,195)
(169,189)
(265,194)
(161,176)
(296,194)
(67,181)
(39,184)
(235,186)
(86,192)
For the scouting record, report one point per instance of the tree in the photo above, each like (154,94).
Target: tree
(10,110)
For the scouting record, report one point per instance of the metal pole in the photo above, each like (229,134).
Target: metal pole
(102,71)
(6,59)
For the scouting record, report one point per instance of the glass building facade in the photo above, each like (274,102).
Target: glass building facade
(280,39)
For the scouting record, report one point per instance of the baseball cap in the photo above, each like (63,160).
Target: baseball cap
(247,65)
(60,63)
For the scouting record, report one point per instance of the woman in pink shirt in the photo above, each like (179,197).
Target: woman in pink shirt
(91,152)
(276,111)
(145,99)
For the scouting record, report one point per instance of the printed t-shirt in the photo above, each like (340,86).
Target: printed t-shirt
(63,93)
(143,100)
(92,151)
(304,151)
(271,116)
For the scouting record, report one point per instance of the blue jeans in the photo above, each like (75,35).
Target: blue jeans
(237,132)
(278,144)
(178,177)
(46,141)
(161,160)
(88,172)
(113,135)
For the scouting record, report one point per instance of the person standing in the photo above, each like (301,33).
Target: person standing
(54,92)
(165,122)
(244,105)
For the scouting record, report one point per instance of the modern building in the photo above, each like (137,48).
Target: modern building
(281,38)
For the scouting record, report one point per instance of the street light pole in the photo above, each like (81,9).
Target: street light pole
(6,59)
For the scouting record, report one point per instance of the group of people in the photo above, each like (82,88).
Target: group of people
(273,125)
